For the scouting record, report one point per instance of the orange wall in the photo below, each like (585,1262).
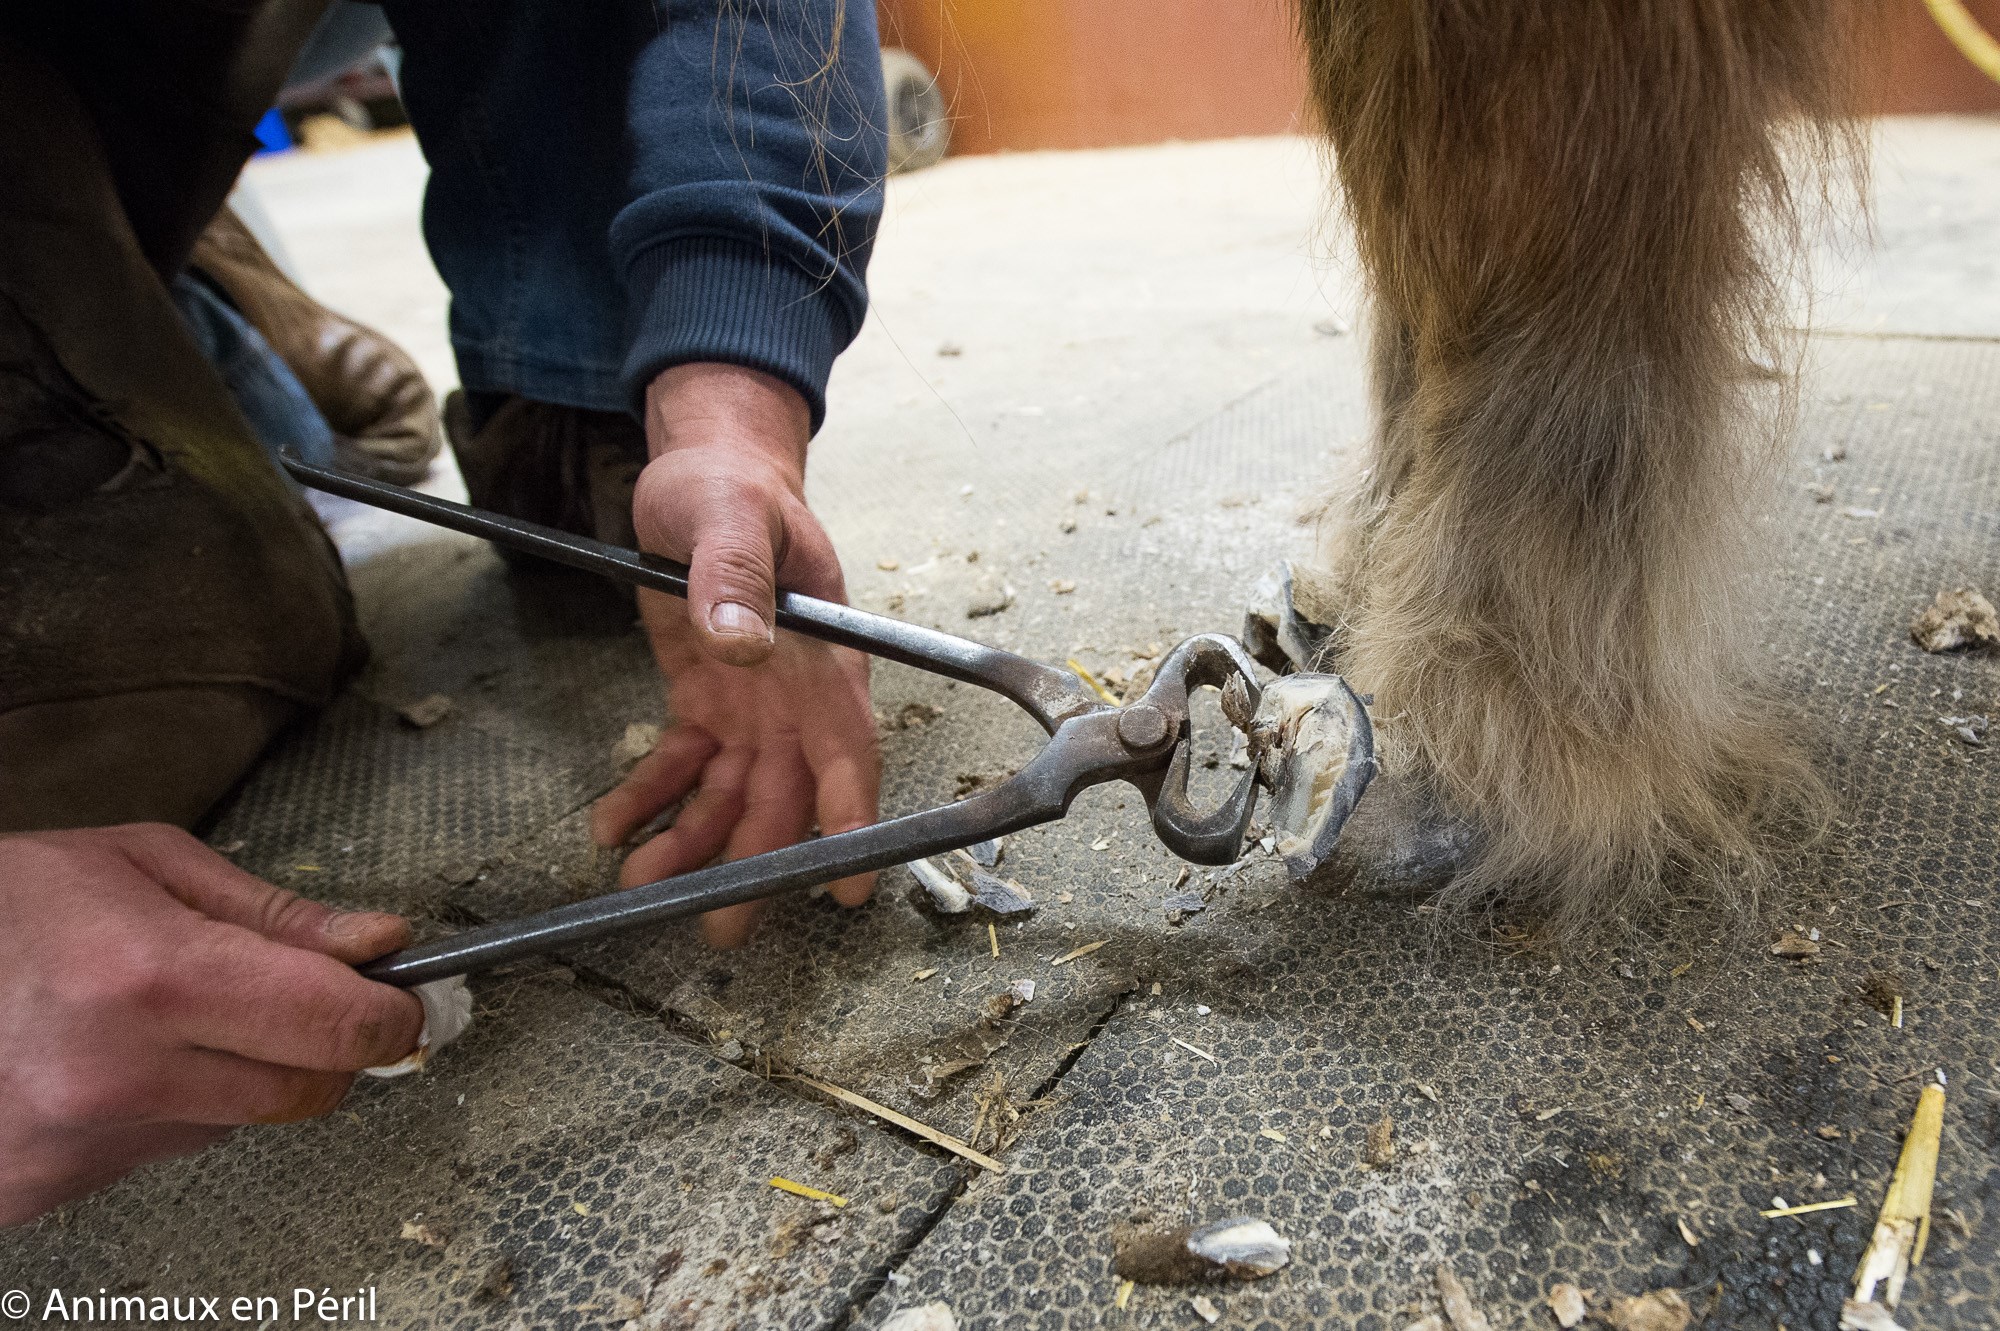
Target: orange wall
(1094,73)
(1916,68)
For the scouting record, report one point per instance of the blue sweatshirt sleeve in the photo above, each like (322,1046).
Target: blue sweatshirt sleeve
(758,153)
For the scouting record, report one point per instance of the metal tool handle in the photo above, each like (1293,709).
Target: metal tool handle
(1087,750)
(1090,743)
(773,873)
(1044,692)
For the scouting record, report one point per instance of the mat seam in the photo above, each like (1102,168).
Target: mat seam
(873,1283)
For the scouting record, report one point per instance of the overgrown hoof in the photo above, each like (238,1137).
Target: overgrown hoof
(1399,842)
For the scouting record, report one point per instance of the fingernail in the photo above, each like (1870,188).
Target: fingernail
(733,619)
(350,926)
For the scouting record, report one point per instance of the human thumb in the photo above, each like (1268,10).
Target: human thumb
(732,588)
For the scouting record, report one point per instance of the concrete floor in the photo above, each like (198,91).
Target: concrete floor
(1114,296)
(1150,346)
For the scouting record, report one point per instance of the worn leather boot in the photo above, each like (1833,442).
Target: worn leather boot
(167,603)
(564,467)
(383,415)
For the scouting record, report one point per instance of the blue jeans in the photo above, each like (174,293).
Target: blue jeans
(523,189)
(617,186)
(270,396)
(620,185)
(527,158)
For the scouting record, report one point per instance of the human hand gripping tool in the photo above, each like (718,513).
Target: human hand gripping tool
(1145,742)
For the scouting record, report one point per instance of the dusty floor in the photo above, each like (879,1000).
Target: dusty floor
(1130,371)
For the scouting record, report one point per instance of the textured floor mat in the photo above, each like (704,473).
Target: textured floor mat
(569,1165)
(360,809)
(1618,1120)
(1611,1119)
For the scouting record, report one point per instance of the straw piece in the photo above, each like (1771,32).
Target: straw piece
(1083,673)
(808,1192)
(1193,1050)
(1809,1208)
(1904,1225)
(908,1124)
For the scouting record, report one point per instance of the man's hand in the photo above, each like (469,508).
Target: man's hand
(152,995)
(772,735)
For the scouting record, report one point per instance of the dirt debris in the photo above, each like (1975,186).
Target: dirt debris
(1204,1308)
(989,597)
(910,716)
(939,888)
(1004,897)
(1002,1005)
(1569,1304)
(426,712)
(431,1236)
(1458,1305)
(931,1317)
(496,1282)
(637,741)
(1004,1117)
(1867,1317)
(1971,730)
(844,1143)
(1885,991)
(948,1060)
(1154,1254)
(800,1231)
(1657,1310)
(967,782)
(1380,1148)
(1795,947)
(1958,619)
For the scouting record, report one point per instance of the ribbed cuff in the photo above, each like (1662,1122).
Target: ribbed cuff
(708,298)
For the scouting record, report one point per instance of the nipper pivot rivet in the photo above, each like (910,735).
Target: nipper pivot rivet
(1142,727)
